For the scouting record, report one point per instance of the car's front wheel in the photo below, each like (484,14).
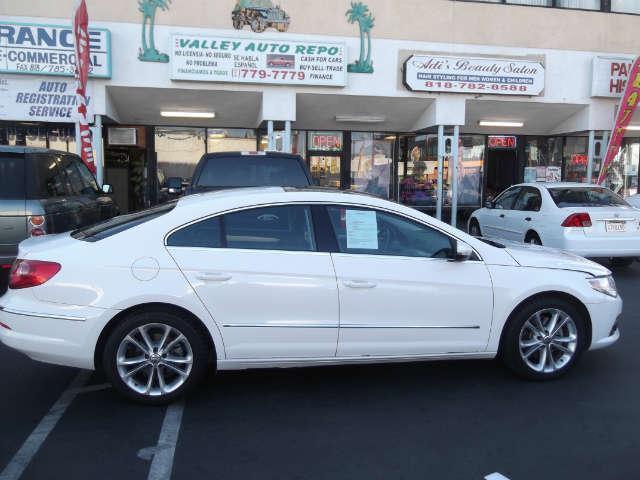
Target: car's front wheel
(544,338)
(155,357)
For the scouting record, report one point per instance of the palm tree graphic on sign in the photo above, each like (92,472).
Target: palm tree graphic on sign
(149,52)
(360,13)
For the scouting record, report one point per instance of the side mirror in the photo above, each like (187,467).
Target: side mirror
(174,184)
(107,189)
(489,204)
(463,252)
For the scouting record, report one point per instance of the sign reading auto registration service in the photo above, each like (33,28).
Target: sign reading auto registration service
(48,50)
(220,59)
(427,73)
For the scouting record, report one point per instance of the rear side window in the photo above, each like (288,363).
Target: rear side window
(12,176)
(119,224)
(46,177)
(270,228)
(251,171)
(585,197)
(204,234)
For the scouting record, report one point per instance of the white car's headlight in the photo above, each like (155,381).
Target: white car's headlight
(604,285)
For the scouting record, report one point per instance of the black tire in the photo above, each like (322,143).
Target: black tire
(196,341)
(533,238)
(621,262)
(474,228)
(510,350)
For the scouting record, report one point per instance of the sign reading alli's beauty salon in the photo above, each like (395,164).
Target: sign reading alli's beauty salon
(431,73)
(243,60)
(48,50)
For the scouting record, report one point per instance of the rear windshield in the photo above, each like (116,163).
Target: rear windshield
(119,224)
(252,171)
(585,197)
(12,176)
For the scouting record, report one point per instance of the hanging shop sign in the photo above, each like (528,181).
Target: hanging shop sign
(31,99)
(430,73)
(244,60)
(501,142)
(48,50)
(610,76)
(325,141)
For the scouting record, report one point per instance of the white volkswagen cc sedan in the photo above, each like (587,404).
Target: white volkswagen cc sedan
(275,277)
(588,220)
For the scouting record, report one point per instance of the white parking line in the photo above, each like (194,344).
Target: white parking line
(21,460)
(163,453)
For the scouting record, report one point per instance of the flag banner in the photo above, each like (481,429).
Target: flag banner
(81,45)
(628,104)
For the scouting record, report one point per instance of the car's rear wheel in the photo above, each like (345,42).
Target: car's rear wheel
(533,238)
(544,338)
(474,228)
(154,357)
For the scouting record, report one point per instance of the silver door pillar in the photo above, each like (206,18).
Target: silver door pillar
(590,155)
(286,139)
(439,190)
(453,167)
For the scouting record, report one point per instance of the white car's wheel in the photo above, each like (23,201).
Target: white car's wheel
(474,228)
(544,339)
(155,357)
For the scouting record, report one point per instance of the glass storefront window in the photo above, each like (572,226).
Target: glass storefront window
(298,142)
(622,174)
(371,161)
(575,159)
(178,150)
(231,140)
(543,159)
(625,6)
(582,4)
(325,170)
(418,186)
(470,170)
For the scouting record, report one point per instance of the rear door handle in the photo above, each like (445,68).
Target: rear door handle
(358,284)
(502,215)
(527,219)
(213,277)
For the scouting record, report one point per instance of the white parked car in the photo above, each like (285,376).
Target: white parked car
(274,277)
(588,220)
(634,200)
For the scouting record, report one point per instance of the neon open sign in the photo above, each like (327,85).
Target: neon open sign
(325,141)
(502,141)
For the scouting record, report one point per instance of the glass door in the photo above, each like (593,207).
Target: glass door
(325,170)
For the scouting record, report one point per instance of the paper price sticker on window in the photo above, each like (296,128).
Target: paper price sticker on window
(362,230)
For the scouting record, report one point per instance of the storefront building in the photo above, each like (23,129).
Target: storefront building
(436,104)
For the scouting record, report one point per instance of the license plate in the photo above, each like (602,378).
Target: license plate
(616,226)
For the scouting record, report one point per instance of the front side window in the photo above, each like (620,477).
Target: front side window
(585,197)
(373,232)
(74,179)
(287,227)
(89,184)
(507,198)
(47,178)
(529,200)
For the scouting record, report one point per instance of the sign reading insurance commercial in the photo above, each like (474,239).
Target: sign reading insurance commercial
(243,60)
(34,99)
(432,73)
(48,50)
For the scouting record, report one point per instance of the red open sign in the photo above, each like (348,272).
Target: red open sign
(502,141)
(325,141)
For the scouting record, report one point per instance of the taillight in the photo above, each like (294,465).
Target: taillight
(577,220)
(37,226)
(31,273)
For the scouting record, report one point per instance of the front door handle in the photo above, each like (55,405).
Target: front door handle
(527,219)
(358,284)
(213,277)
(502,215)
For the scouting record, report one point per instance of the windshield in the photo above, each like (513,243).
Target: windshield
(585,197)
(247,171)
(119,224)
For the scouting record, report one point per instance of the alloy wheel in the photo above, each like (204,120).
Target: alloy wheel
(548,340)
(154,359)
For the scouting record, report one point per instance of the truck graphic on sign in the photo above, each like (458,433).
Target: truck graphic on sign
(259,15)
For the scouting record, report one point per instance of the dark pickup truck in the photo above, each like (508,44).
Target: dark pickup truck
(217,171)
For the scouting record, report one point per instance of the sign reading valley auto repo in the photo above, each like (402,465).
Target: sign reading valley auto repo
(48,50)
(610,76)
(430,73)
(242,60)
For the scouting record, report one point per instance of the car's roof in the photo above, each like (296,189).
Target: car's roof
(21,149)
(558,185)
(251,154)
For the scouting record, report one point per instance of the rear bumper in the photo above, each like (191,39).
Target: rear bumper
(66,337)
(600,247)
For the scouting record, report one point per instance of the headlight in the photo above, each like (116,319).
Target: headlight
(604,285)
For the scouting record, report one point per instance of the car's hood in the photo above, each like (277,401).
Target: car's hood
(543,257)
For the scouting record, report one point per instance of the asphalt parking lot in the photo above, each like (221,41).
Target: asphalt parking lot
(440,420)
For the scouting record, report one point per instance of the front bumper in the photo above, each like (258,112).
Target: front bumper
(605,318)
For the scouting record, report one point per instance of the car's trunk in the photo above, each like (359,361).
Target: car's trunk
(609,222)
(13,226)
